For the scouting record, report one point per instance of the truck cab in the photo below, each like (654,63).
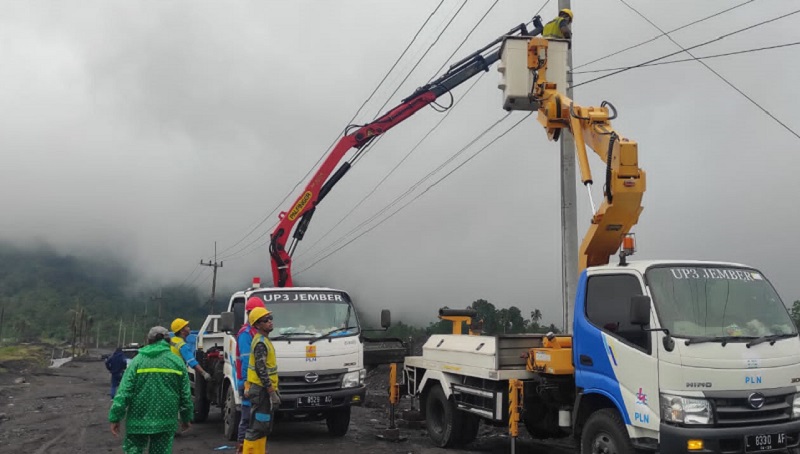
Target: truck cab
(690,356)
(320,349)
(317,339)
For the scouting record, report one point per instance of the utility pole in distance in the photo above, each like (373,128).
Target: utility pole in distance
(158,299)
(216,265)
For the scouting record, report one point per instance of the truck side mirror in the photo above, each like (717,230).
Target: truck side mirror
(226,321)
(386,319)
(640,310)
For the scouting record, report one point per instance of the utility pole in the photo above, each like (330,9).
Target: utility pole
(158,299)
(569,213)
(214,280)
(119,334)
(2,316)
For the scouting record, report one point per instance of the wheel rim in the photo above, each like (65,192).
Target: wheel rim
(229,410)
(603,444)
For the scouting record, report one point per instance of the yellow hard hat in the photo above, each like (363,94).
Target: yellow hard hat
(256,314)
(178,324)
(568,12)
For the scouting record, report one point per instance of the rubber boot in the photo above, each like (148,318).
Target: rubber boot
(256,446)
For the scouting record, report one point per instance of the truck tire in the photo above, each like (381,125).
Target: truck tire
(605,433)
(201,404)
(230,416)
(442,419)
(338,421)
(469,428)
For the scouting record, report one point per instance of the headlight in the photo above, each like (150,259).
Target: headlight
(688,410)
(353,379)
(796,406)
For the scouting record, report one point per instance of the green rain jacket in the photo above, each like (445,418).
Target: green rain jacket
(154,389)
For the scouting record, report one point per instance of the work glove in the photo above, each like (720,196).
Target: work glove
(275,399)
(207,376)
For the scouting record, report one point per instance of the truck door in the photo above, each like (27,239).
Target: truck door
(613,357)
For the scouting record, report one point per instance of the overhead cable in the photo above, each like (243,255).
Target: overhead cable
(428,188)
(327,150)
(704,57)
(663,34)
(716,73)
(380,183)
(687,49)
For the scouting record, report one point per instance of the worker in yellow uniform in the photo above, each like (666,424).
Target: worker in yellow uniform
(560,26)
(184,351)
(262,383)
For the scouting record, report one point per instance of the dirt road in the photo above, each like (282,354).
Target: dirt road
(65,410)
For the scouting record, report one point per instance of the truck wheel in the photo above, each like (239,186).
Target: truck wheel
(469,428)
(230,416)
(442,419)
(338,421)
(604,433)
(201,403)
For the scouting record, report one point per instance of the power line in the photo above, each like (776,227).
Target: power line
(729,83)
(380,110)
(465,39)
(428,188)
(362,152)
(663,34)
(686,49)
(260,223)
(410,152)
(705,57)
(412,188)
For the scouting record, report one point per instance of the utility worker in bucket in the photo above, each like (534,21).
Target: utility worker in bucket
(560,26)
(262,383)
(184,351)
(244,339)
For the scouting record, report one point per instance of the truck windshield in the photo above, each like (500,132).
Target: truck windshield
(310,314)
(717,302)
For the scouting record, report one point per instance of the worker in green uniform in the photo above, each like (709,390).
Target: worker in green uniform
(154,388)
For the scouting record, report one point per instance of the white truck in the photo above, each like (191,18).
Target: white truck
(320,346)
(668,356)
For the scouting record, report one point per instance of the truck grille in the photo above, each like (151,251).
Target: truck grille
(734,409)
(305,382)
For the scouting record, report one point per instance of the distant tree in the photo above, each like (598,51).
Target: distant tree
(795,312)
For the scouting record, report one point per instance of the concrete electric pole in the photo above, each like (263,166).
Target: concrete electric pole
(216,265)
(569,213)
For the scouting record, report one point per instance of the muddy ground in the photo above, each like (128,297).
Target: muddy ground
(65,410)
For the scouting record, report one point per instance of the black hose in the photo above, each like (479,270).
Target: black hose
(609,196)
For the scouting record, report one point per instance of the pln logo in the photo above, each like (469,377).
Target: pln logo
(641,398)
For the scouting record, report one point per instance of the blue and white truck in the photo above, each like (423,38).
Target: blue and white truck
(670,356)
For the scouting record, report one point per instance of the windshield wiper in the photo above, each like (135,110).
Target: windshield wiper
(285,335)
(772,338)
(722,339)
(329,333)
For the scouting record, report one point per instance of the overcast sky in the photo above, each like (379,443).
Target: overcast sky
(153,129)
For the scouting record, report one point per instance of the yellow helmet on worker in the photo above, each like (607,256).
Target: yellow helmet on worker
(256,314)
(178,324)
(568,12)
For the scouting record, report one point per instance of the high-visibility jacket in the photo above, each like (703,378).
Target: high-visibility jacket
(271,362)
(183,350)
(553,28)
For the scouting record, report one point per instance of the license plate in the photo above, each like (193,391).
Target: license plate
(765,442)
(314,401)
